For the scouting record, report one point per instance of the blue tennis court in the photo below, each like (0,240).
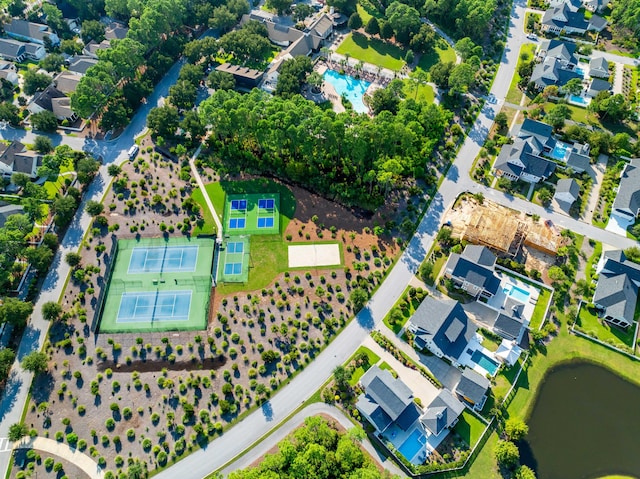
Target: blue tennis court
(235,247)
(154,306)
(169,259)
(237,223)
(265,222)
(239,205)
(232,268)
(266,203)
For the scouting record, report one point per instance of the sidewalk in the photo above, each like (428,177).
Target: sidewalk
(63,451)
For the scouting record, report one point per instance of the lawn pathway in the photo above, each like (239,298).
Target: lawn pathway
(63,451)
(196,175)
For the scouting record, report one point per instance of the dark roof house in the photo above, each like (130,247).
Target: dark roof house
(15,158)
(442,413)
(386,400)
(472,388)
(522,160)
(596,85)
(473,270)
(12,50)
(627,202)
(616,293)
(55,101)
(30,32)
(245,77)
(442,326)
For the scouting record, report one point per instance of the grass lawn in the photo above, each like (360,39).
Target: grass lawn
(515,94)
(590,323)
(54,184)
(490,343)
(359,371)
(385,366)
(593,260)
(367,10)
(469,428)
(420,93)
(442,53)
(541,306)
(582,115)
(208,227)
(406,313)
(372,50)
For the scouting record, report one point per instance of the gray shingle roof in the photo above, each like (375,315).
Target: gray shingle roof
(472,386)
(442,412)
(445,323)
(509,327)
(568,186)
(628,197)
(391,394)
(370,408)
(599,63)
(578,161)
(474,265)
(11,48)
(480,255)
(617,288)
(27,29)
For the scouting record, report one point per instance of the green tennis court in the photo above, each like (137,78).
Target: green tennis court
(251,213)
(233,262)
(158,284)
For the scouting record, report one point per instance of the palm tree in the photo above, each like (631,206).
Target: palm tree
(316,81)
(358,66)
(326,52)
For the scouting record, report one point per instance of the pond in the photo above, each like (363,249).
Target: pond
(584,425)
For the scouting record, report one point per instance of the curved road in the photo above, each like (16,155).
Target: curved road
(239,438)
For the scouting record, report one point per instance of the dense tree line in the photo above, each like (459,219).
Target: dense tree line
(465,18)
(625,18)
(316,450)
(354,159)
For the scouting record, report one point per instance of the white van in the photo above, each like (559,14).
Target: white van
(133,151)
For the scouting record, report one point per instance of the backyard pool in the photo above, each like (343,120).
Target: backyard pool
(579,100)
(484,362)
(518,294)
(559,151)
(580,71)
(352,88)
(414,443)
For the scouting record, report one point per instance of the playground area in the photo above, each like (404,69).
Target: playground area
(158,284)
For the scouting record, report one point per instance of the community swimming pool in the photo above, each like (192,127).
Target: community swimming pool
(352,88)
(559,151)
(518,294)
(484,362)
(412,445)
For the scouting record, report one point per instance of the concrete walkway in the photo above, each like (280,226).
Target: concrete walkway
(297,420)
(196,175)
(618,78)
(597,174)
(63,451)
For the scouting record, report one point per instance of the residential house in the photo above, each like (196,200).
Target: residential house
(442,413)
(596,86)
(34,51)
(12,50)
(541,132)
(55,101)
(596,6)
(270,80)
(473,271)
(66,82)
(616,293)
(627,202)
(245,77)
(386,400)
(567,193)
(558,64)
(81,63)
(7,209)
(322,26)
(577,157)
(115,31)
(15,158)
(9,72)
(599,67)
(30,32)
(564,18)
(506,318)
(472,389)
(522,161)
(443,327)
(91,48)
(573,5)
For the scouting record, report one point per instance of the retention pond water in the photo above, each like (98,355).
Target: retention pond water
(584,425)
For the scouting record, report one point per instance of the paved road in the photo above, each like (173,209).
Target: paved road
(297,420)
(15,394)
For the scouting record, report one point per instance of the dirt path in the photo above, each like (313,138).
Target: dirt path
(597,173)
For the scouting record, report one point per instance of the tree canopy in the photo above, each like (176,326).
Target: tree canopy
(351,158)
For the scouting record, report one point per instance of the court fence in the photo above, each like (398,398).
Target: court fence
(105,289)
